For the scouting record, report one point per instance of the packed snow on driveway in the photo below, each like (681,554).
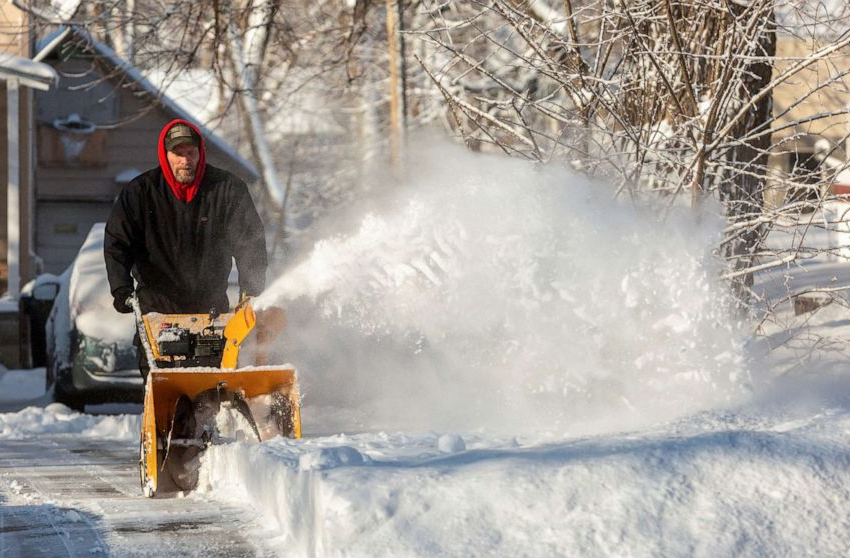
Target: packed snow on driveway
(499,361)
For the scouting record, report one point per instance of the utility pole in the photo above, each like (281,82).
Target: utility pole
(403,53)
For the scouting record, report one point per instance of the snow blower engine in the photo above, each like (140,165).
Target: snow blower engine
(190,348)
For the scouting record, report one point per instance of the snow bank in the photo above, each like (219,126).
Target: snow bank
(20,388)
(714,485)
(487,293)
(59,419)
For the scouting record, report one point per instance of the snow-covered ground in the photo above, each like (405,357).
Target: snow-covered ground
(499,361)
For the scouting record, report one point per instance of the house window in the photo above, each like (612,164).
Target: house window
(68,148)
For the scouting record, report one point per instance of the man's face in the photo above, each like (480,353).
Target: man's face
(183,160)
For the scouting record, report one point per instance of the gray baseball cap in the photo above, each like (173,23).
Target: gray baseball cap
(180,133)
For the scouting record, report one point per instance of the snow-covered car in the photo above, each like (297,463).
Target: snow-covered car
(90,354)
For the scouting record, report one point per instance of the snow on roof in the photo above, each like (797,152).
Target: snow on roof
(65,9)
(29,72)
(46,45)
(50,42)
(196,90)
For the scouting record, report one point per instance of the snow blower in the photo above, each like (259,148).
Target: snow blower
(195,395)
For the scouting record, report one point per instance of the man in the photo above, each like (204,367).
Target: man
(175,228)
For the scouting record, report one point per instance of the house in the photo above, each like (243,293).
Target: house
(91,127)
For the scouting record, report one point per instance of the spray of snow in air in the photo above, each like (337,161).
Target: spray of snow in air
(488,293)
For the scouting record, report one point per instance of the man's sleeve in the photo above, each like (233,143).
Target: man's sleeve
(249,244)
(118,243)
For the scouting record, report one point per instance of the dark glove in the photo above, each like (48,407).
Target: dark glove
(119,301)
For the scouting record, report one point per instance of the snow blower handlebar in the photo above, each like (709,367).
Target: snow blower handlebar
(133,302)
(235,332)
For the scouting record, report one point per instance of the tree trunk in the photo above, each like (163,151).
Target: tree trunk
(743,186)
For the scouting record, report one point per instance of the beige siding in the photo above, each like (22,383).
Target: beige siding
(4,172)
(800,97)
(14,32)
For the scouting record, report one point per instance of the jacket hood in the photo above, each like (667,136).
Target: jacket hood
(184,192)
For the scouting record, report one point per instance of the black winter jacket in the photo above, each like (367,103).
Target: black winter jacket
(180,253)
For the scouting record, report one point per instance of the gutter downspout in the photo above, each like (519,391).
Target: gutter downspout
(13,208)
(34,263)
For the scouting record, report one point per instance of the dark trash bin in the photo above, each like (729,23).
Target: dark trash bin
(35,306)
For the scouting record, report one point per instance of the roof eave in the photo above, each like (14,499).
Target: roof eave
(35,82)
(30,73)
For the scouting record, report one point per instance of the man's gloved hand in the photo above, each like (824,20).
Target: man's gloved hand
(119,300)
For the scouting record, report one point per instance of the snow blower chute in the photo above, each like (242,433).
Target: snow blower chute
(195,395)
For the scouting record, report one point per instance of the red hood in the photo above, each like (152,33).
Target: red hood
(184,192)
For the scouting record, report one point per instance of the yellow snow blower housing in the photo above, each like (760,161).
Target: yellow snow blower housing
(196,396)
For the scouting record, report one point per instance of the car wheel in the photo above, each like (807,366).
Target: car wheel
(72,401)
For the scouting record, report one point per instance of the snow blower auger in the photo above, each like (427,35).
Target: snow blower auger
(195,396)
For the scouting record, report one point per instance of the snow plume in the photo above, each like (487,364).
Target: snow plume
(487,293)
